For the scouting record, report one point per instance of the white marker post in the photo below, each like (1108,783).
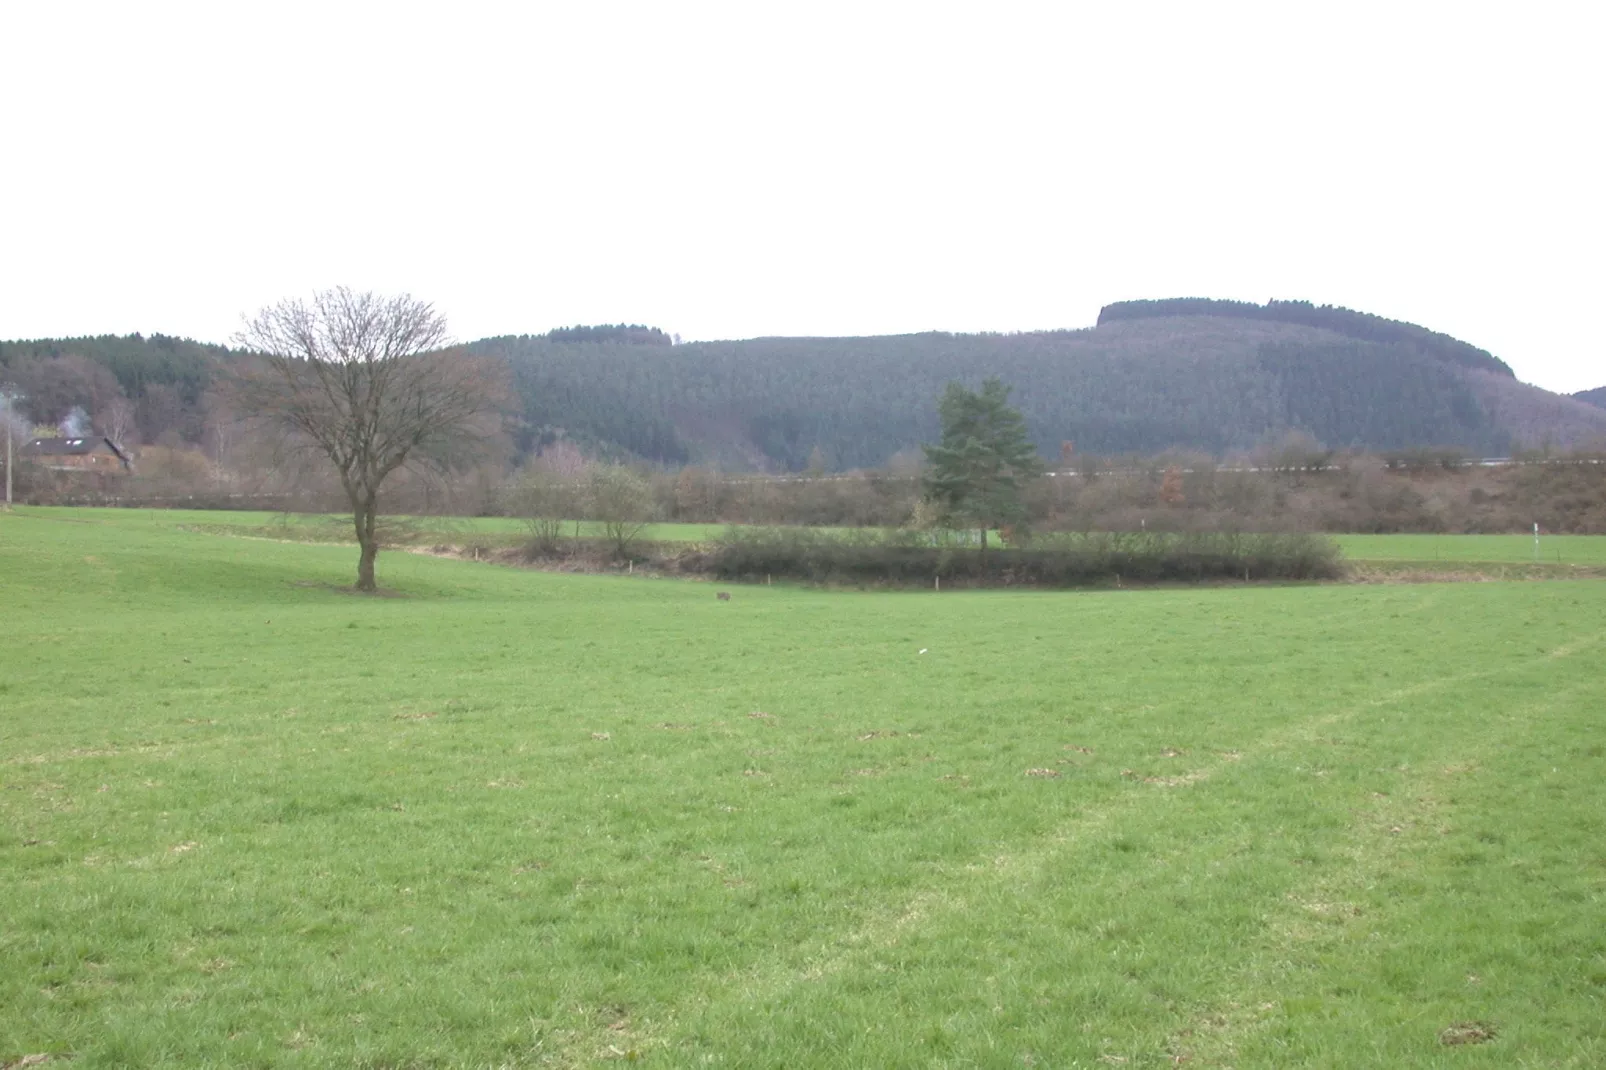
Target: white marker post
(1536,542)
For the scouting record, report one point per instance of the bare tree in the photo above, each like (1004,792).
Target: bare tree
(622,501)
(219,424)
(544,502)
(368,381)
(115,420)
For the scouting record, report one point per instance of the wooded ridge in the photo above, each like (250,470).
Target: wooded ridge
(1210,376)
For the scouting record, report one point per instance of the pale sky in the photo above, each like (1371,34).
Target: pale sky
(732,170)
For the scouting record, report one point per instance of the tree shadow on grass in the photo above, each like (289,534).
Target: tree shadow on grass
(337,588)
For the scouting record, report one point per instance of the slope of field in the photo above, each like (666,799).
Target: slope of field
(507,818)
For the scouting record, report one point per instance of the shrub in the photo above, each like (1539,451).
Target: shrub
(912,558)
(622,501)
(543,499)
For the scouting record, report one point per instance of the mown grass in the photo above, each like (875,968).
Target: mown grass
(1584,550)
(1476,549)
(512,818)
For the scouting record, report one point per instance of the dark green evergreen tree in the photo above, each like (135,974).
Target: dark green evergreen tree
(980,468)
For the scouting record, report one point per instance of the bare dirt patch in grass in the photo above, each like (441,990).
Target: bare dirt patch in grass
(1468,1033)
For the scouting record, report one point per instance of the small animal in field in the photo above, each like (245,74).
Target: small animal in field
(723,596)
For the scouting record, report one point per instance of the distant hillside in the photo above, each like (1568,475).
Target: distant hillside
(1135,383)
(1200,375)
(154,385)
(1351,324)
(1596,397)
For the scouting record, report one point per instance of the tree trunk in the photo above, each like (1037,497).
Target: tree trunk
(363,517)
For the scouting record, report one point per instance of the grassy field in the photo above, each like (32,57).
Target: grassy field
(508,818)
(497,530)
(1581,550)
(1476,549)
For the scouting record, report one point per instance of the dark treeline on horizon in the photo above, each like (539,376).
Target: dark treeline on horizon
(1359,325)
(625,333)
(150,387)
(1214,377)
(1215,385)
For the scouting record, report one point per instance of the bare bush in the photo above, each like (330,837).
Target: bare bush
(622,501)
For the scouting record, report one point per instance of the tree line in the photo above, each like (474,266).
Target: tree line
(1362,326)
(136,389)
(784,404)
(1215,384)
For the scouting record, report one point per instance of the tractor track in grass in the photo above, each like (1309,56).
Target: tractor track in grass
(999,873)
(1388,833)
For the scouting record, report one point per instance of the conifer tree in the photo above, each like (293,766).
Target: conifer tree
(978,471)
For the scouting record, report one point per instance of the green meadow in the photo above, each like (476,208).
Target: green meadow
(503,818)
(1476,549)
(1576,550)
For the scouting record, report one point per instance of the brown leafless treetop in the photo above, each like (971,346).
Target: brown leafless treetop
(369,381)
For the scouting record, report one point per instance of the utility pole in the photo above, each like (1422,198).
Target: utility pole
(5,395)
(9,398)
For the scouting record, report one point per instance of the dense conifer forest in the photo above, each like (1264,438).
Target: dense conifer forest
(1218,377)
(1359,325)
(1217,384)
(1596,397)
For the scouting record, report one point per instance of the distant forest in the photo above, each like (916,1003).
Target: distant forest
(153,389)
(1359,325)
(1208,376)
(1208,383)
(625,333)
(1596,397)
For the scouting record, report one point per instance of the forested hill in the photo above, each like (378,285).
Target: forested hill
(1596,397)
(152,387)
(1138,382)
(1347,322)
(1133,384)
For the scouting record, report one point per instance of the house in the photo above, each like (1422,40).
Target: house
(92,453)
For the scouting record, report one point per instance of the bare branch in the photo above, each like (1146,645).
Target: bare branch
(370,382)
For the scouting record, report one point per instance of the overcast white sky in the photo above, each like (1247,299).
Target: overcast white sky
(731,170)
